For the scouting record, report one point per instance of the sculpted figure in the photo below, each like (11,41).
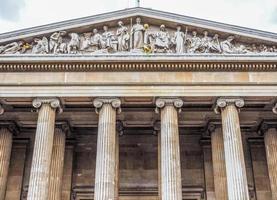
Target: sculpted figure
(14,47)
(108,39)
(41,46)
(162,40)
(228,47)
(179,40)
(85,42)
(263,48)
(137,32)
(195,43)
(148,46)
(56,42)
(2,48)
(205,43)
(74,44)
(214,45)
(95,40)
(254,48)
(123,37)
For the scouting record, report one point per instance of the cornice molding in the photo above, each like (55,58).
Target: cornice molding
(132,62)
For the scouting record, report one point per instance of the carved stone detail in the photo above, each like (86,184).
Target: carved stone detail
(162,102)
(223,102)
(135,38)
(274,109)
(99,102)
(1,109)
(54,103)
(99,66)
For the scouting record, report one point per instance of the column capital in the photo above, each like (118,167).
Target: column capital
(211,127)
(274,109)
(53,102)
(114,102)
(11,126)
(156,127)
(222,102)
(1,109)
(162,102)
(64,126)
(265,126)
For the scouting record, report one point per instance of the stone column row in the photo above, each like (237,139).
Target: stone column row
(47,163)
(228,157)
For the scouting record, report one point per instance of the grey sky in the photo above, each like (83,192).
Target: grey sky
(18,14)
(10,9)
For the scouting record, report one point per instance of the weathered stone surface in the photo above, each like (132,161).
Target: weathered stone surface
(270,140)
(57,165)
(106,159)
(219,166)
(233,149)
(171,183)
(5,155)
(16,169)
(40,170)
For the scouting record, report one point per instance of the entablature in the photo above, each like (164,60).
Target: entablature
(136,63)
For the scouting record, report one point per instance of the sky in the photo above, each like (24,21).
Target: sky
(19,14)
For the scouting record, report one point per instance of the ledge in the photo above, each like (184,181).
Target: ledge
(138,62)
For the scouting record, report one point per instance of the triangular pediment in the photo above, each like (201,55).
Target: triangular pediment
(77,37)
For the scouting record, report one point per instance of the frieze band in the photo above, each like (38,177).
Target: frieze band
(137,38)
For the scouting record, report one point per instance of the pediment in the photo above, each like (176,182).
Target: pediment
(156,33)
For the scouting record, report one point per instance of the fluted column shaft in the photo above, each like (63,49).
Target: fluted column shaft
(57,164)
(219,167)
(171,183)
(270,140)
(40,169)
(233,148)
(5,155)
(106,157)
(117,168)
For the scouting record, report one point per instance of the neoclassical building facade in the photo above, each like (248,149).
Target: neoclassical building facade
(138,104)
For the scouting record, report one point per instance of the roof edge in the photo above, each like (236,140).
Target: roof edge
(223,27)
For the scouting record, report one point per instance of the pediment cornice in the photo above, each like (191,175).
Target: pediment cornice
(138,63)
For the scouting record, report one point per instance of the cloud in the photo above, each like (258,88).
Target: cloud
(274,16)
(10,9)
(18,14)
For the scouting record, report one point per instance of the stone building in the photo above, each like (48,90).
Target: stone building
(138,104)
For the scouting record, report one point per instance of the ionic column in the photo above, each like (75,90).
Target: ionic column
(171,184)
(219,167)
(233,148)
(5,155)
(270,140)
(57,164)
(106,157)
(40,169)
